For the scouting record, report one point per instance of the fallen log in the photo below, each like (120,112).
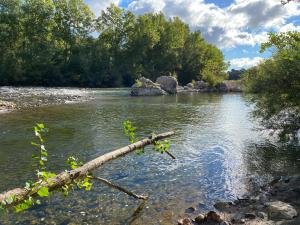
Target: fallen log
(67,177)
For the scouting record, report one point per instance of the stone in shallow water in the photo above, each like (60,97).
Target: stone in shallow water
(190,209)
(213,217)
(200,218)
(185,221)
(262,215)
(250,216)
(222,206)
(280,210)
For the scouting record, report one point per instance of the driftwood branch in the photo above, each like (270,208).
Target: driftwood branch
(109,183)
(67,177)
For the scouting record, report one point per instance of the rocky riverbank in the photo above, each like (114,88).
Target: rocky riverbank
(168,85)
(12,98)
(277,203)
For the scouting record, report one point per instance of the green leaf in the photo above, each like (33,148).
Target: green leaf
(43,192)
(35,144)
(10,199)
(24,205)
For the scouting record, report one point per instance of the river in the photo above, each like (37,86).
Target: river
(219,153)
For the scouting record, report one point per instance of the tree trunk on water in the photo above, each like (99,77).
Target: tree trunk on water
(67,177)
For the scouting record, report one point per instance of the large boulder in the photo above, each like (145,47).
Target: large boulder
(230,86)
(201,84)
(280,210)
(168,84)
(145,87)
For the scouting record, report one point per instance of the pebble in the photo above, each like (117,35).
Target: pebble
(262,215)
(224,223)
(200,218)
(222,206)
(190,209)
(185,221)
(250,216)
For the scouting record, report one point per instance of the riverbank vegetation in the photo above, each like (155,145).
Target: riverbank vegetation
(276,86)
(62,43)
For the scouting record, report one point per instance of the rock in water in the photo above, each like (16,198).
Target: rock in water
(200,218)
(213,217)
(280,210)
(185,221)
(222,206)
(168,84)
(145,87)
(190,209)
(227,86)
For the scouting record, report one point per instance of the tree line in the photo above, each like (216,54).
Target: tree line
(62,43)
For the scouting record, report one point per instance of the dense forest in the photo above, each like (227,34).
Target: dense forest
(62,43)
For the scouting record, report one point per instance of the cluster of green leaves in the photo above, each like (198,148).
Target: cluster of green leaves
(158,146)
(53,43)
(129,130)
(276,86)
(80,183)
(44,176)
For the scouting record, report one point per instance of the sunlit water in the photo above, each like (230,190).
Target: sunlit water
(216,147)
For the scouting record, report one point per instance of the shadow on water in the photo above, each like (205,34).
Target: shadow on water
(268,160)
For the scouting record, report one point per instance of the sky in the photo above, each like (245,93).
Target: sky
(237,27)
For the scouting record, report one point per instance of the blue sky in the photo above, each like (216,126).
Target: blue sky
(236,26)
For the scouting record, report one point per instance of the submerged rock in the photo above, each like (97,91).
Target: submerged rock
(168,84)
(280,210)
(190,209)
(222,206)
(200,218)
(213,217)
(185,221)
(250,216)
(262,215)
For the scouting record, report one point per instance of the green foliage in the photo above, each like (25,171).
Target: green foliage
(53,43)
(129,130)
(276,84)
(235,74)
(84,183)
(162,146)
(138,83)
(26,204)
(74,162)
(43,192)
(158,146)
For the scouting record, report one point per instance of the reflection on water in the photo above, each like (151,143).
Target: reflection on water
(215,146)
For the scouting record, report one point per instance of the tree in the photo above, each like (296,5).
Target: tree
(234,74)
(61,43)
(276,84)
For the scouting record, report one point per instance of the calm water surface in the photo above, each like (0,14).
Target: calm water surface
(217,152)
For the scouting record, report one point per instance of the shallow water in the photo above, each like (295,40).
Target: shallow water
(217,152)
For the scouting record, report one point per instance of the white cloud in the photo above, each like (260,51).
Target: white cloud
(98,5)
(245,62)
(289,27)
(244,22)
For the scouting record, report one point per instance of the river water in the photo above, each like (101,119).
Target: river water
(217,148)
